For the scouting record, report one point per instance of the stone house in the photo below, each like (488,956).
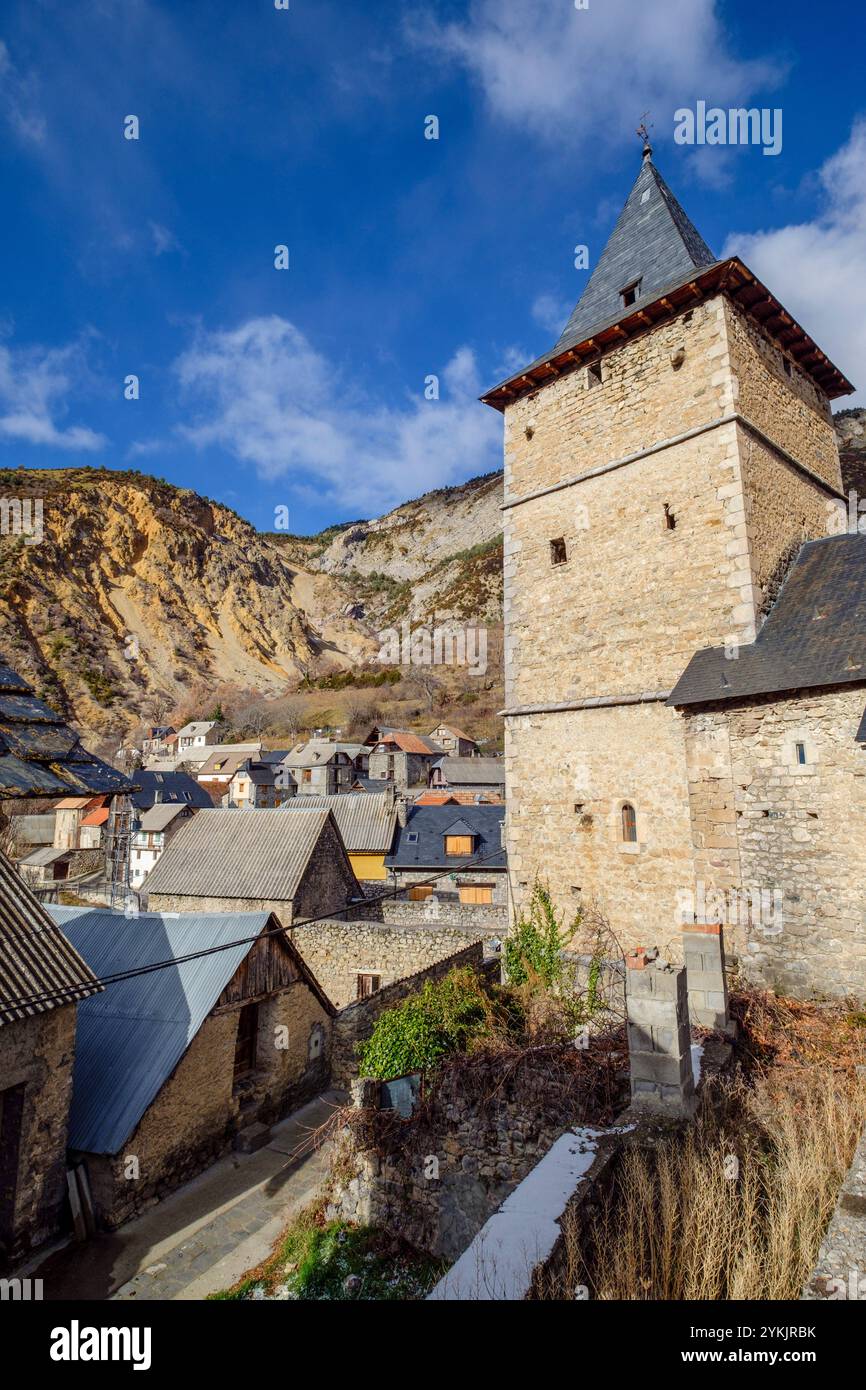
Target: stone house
(37,1050)
(665,462)
(261,784)
(155,744)
(403,758)
(288,861)
(79,822)
(153,831)
(453,741)
(176,1065)
(320,768)
(776,756)
(470,775)
(366,822)
(354,960)
(463,845)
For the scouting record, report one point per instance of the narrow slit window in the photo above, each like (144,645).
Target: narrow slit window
(670,519)
(787,365)
(629,824)
(593,374)
(800,751)
(558,551)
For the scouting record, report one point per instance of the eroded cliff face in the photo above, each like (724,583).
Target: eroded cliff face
(138,592)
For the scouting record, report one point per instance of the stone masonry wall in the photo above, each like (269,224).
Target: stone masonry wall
(354,1023)
(764,822)
(337,952)
(38,1053)
(569,774)
(199,1108)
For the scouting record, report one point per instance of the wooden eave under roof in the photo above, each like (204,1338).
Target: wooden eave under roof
(730,277)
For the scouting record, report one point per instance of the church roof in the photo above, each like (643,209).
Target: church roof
(814,636)
(657,253)
(653,245)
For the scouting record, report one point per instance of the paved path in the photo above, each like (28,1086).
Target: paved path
(206,1235)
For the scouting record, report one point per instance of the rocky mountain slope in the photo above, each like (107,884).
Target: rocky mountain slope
(436,559)
(139,592)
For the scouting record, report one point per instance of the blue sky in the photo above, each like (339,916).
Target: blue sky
(408,257)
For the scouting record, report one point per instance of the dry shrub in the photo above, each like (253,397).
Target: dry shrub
(677,1224)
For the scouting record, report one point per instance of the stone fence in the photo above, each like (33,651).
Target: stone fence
(355,1023)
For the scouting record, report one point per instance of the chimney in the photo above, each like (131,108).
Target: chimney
(402,811)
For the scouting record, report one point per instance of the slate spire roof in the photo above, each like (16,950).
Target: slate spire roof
(653,242)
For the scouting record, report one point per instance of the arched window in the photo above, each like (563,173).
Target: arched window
(629,823)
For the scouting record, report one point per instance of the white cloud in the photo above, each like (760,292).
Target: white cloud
(35,384)
(268,398)
(818,268)
(551,313)
(163,239)
(569,75)
(18,101)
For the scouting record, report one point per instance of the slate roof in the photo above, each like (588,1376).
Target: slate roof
(226,759)
(317,752)
(814,636)
(197,727)
(653,241)
(223,853)
(408,742)
(35,955)
(431,823)
(40,755)
(175,788)
(473,771)
(130,1039)
(365,820)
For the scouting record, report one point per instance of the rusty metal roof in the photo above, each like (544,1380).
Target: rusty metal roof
(39,754)
(35,956)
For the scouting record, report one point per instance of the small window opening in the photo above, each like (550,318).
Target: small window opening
(593,374)
(630,293)
(670,519)
(367,985)
(629,824)
(558,551)
(800,750)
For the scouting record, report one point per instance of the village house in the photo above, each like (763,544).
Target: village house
(475,775)
(221,1047)
(320,768)
(291,862)
(366,822)
(167,789)
(155,744)
(463,845)
(221,765)
(79,822)
(42,979)
(37,1050)
(43,868)
(194,738)
(453,741)
(261,784)
(669,464)
(403,758)
(153,830)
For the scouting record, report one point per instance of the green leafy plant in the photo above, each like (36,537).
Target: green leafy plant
(537,943)
(445,1017)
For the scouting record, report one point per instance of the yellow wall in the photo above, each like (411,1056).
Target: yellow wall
(368,866)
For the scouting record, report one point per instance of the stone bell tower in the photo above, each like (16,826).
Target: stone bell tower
(662,463)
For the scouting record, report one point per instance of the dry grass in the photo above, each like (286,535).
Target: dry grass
(735,1205)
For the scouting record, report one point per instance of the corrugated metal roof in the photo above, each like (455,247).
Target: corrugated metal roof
(35,956)
(476,772)
(315,753)
(158,817)
(239,854)
(813,637)
(48,855)
(365,820)
(130,1038)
